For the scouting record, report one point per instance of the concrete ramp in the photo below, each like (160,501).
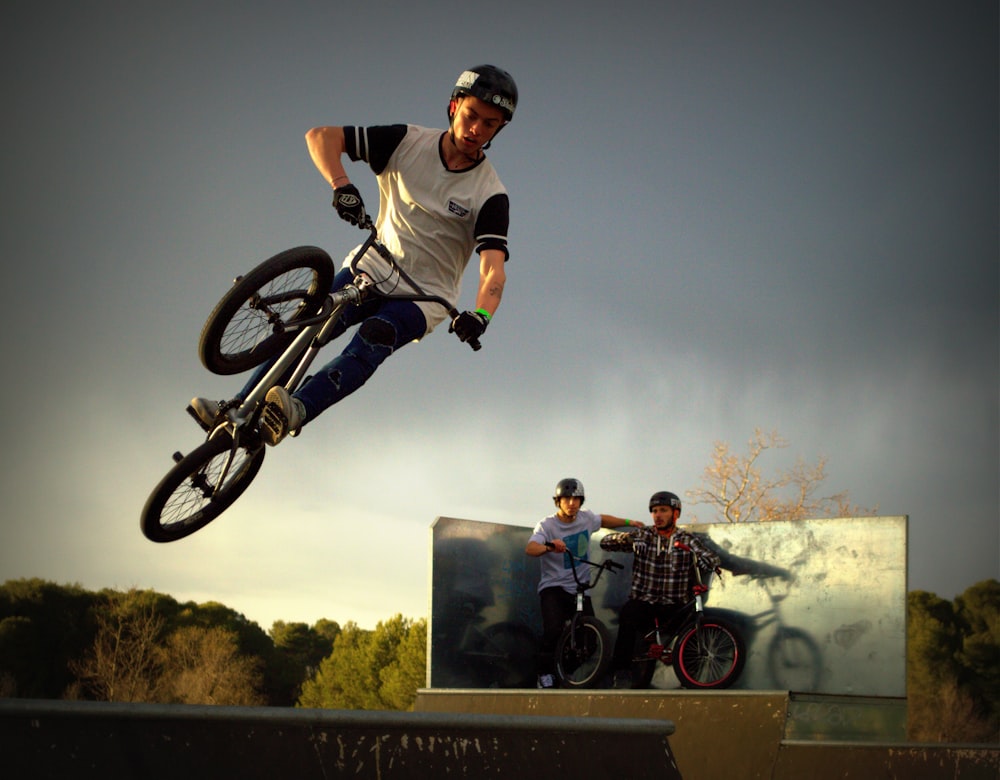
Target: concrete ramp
(82,740)
(754,735)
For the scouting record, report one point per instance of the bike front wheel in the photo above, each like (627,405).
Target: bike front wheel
(256,319)
(200,487)
(708,654)
(583,653)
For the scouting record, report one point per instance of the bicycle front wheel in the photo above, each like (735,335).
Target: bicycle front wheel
(200,487)
(583,653)
(255,320)
(709,654)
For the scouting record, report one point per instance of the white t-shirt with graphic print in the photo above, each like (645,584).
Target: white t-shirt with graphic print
(557,569)
(429,217)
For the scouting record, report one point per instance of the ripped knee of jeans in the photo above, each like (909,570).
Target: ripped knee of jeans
(378,332)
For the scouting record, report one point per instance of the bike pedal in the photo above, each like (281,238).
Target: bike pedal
(273,419)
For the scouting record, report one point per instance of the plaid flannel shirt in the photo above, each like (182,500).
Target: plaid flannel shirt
(661,572)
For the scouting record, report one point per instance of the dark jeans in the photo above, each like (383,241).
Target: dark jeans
(386,326)
(635,618)
(557,606)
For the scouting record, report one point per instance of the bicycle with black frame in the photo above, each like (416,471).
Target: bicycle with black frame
(282,309)
(583,650)
(704,650)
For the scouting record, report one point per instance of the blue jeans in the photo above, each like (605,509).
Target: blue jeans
(386,325)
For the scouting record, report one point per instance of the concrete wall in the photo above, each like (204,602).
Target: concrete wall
(820,603)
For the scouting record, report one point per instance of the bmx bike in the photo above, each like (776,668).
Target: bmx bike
(283,310)
(583,650)
(704,650)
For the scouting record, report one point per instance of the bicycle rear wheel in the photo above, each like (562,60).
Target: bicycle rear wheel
(583,653)
(200,487)
(709,654)
(255,320)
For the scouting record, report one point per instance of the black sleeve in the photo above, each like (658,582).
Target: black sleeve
(374,145)
(492,224)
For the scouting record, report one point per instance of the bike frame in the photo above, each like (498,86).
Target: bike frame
(582,587)
(693,609)
(315,332)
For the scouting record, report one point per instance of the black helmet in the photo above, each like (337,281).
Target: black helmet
(491,85)
(568,488)
(664,498)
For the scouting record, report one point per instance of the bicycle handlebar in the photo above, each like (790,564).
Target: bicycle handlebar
(606,565)
(372,242)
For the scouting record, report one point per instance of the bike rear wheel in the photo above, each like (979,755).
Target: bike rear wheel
(255,320)
(200,487)
(709,654)
(583,653)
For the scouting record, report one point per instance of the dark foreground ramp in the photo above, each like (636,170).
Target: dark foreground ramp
(81,740)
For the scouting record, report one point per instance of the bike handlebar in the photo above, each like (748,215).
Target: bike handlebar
(606,565)
(372,242)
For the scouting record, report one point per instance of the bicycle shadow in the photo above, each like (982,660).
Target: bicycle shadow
(793,659)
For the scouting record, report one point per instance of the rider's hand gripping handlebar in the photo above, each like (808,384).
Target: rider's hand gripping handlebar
(373,242)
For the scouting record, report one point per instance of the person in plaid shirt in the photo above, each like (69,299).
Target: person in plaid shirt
(662,575)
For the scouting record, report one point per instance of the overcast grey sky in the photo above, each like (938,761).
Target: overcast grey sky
(724,215)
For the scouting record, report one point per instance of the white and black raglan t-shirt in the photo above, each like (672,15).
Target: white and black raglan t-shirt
(430,218)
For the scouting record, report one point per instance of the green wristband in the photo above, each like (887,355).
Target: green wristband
(485,313)
(627,521)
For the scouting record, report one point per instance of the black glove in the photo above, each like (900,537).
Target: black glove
(469,325)
(350,207)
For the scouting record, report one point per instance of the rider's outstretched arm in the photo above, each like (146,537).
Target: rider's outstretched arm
(618,542)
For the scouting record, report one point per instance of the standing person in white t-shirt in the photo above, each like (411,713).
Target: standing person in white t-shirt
(440,200)
(568,530)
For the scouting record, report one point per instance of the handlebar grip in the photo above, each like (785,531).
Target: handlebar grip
(615,565)
(474,343)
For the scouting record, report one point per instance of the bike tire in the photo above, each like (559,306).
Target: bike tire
(583,653)
(709,654)
(240,333)
(181,504)
(794,661)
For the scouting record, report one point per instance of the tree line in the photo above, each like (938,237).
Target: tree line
(65,642)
